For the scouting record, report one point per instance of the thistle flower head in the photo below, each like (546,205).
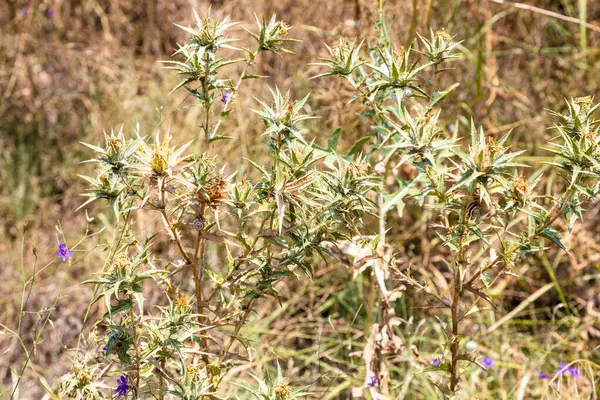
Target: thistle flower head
(282,391)
(183,302)
(439,47)
(579,120)
(117,153)
(283,116)
(441,34)
(343,59)
(107,186)
(121,262)
(394,69)
(161,159)
(80,382)
(204,184)
(359,168)
(272,36)
(208,33)
(521,191)
(214,191)
(488,160)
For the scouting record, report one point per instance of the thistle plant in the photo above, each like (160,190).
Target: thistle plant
(172,299)
(487,214)
(183,344)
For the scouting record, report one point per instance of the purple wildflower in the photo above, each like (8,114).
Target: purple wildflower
(122,386)
(487,363)
(436,362)
(564,370)
(541,374)
(372,381)
(226,96)
(63,251)
(50,12)
(574,372)
(24,12)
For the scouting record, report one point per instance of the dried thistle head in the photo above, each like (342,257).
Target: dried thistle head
(114,144)
(400,54)
(442,35)
(120,262)
(585,103)
(520,185)
(204,184)
(283,390)
(214,192)
(520,192)
(183,303)
(359,168)
(488,152)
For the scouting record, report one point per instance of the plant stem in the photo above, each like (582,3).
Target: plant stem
(161,383)
(455,308)
(207,134)
(236,331)
(199,260)
(135,346)
(169,224)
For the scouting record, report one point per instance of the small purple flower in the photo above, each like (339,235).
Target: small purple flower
(63,251)
(436,362)
(122,386)
(541,374)
(487,363)
(452,128)
(372,381)
(226,96)
(50,12)
(574,372)
(24,12)
(564,370)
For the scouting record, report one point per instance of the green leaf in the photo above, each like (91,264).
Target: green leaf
(551,234)
(122,305)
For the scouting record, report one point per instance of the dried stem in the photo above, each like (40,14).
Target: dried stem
(199,259)
(135,346)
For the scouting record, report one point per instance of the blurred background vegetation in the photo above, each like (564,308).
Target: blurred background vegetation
(70,69)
